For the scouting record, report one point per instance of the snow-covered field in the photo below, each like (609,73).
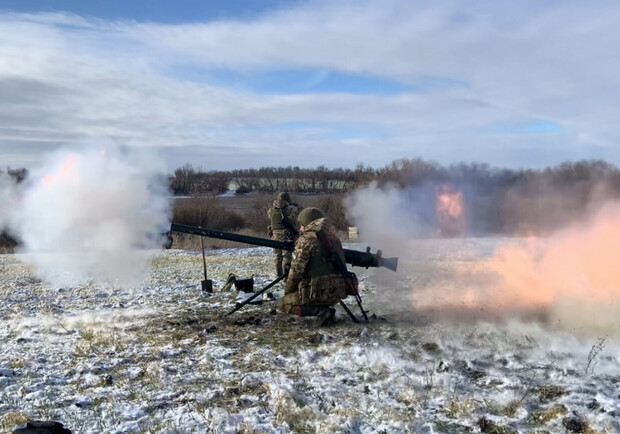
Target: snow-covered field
(160,357)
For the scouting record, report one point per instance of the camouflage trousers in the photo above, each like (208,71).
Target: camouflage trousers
(283,258)
(319,291)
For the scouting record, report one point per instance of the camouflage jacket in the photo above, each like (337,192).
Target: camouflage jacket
(313,277)
(283,215)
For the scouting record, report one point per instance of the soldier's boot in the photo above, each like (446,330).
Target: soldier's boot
(325,315)
(308,310)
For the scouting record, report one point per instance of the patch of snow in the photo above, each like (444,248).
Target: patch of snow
(161,357)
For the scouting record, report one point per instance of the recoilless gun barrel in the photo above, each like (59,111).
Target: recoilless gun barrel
(354,257)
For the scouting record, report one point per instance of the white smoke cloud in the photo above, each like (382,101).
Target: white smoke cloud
(567,279)
(90,215)
(391,216)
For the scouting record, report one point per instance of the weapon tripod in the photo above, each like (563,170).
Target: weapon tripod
(239,305)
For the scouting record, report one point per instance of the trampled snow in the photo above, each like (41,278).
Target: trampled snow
(161,357)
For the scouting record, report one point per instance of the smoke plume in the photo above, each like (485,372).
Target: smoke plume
(90,215)
(574,273)
(392,216)
(569,277)
(394,220)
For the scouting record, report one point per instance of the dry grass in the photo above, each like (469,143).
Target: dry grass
(546,415)
(206,212)
(550,392)
(185,344)
(249,212)
(13,419)
(298,417)
(459,406)
(489,427)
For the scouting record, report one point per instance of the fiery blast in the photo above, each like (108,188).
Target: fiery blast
(450,211)
(90,215)
(570,279)
(574,273)
(394,220)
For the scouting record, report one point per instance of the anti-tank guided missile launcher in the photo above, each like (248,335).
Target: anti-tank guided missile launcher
(354,257)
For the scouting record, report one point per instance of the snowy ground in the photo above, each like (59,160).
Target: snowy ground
(159,357)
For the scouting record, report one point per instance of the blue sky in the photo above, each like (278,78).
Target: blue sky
(163,11)
(234,84)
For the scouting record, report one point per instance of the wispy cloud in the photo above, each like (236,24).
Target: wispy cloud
(220,90)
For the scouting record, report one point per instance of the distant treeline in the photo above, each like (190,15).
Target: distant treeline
(17,174)
(187,180)
(501,201)
(496,201)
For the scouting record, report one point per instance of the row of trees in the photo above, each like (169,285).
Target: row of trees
(505,201)
(188,180)
(404,173)
(17,174)
(497,201)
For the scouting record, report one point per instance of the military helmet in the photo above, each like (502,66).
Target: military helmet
(308,215)
(284,197)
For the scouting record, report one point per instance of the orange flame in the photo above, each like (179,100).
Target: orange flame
(64,171)
(449,210)
(580,263)
(570,279)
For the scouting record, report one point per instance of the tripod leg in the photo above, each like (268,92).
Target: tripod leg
(348,311)
(247,300)
(359,303)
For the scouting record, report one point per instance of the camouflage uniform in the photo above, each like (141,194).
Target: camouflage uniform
(313,282)
(283,227)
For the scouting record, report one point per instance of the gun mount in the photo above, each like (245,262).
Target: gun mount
(354,257)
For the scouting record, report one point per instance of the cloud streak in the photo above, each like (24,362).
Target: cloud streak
(464,69)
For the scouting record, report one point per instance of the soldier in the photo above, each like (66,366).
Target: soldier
(283,227)
(314,283)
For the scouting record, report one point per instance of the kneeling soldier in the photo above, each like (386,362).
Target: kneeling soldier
(314,283)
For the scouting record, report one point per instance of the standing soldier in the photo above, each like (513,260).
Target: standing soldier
(314,281)
(283,227)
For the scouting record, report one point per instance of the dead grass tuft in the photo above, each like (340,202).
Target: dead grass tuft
(546,415)
(13,419)
(596,349)
(489,427)
(459,406)
(288,411)
(577,424)
(550,392)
